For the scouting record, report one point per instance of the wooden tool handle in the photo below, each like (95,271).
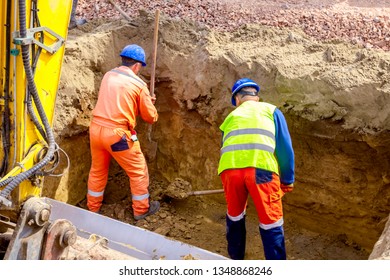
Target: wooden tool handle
(154,54)
(206,192)
(120,10)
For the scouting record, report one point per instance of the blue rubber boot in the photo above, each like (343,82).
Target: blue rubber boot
(236,238)
(273,243)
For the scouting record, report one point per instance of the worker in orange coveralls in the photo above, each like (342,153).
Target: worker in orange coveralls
(257,159)
(122,97)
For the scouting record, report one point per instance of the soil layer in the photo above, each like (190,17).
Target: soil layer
(334,96)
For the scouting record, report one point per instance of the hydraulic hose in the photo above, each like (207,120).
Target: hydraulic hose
(6,181)
(34,92)
(34,118)
(30,108)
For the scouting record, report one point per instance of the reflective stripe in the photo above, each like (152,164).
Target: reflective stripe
(128,75)
(238,147)
(273,225)
(236,218)
(250,131)
(95,194)
(140,197)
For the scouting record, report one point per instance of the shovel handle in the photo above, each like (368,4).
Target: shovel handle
(154,54)
(206,192)
(120,10)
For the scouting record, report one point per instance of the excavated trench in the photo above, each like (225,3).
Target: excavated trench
(333,95)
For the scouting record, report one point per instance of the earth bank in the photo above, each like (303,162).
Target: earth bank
(334,96)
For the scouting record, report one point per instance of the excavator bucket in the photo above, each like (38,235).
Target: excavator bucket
(52,230)
(130,240)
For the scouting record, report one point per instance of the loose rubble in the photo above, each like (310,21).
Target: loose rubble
(365,24)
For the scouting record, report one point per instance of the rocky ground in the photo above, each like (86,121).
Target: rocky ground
(200,221)
(365,23)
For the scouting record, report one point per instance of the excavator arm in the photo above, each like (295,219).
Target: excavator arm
(33,34)
(32,49)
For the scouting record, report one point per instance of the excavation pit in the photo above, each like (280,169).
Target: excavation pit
(336,110)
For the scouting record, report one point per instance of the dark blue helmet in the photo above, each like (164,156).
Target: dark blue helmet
(242,83)
(134,52)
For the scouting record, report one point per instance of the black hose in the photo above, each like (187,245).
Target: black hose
(32,88)
(36,55)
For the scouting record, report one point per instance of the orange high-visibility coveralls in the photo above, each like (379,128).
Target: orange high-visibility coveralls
(122,97)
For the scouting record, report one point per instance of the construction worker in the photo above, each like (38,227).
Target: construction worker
(122,97)
(257,158)
(73,23)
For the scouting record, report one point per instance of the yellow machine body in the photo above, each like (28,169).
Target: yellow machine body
(26,144)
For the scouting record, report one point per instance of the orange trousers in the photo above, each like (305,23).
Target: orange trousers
(107,143)
(263,187)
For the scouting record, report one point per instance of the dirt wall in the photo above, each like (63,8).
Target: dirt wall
(334,97)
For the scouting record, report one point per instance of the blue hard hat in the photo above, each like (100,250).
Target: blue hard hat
(134,52)
(242,83)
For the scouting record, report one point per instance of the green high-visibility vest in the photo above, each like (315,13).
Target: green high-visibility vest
(249,138)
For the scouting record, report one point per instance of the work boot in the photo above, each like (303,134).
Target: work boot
(76,22)
(154,206)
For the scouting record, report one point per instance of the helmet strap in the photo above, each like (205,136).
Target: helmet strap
(246,92)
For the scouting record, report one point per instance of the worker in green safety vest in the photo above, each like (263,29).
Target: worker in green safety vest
(257,158)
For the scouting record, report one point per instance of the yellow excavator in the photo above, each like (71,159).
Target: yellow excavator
(33,37)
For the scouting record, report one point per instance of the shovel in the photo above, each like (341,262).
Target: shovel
(183,195)
(180,189)
(205,192)
(151,147)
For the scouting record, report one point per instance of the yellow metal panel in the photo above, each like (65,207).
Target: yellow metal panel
(3,16)
(54,15)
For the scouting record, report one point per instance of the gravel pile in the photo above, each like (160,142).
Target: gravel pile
(354,21)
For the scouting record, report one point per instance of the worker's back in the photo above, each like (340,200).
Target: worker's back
(122,97)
